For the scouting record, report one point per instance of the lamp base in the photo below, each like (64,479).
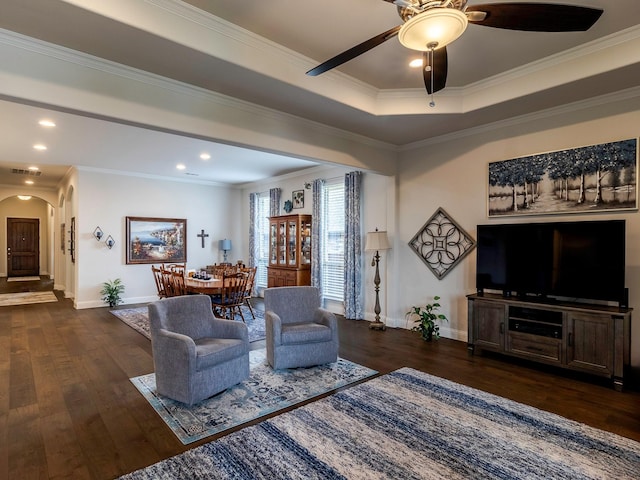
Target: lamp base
(377,326)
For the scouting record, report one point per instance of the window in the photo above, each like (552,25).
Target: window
(333,240)
(262,239)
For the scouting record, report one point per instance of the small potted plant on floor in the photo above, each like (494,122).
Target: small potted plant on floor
(425,318)
(111,292)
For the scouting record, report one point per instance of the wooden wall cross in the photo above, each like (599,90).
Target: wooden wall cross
(202,236)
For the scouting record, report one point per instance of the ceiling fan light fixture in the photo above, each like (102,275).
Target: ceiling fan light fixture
(439,26)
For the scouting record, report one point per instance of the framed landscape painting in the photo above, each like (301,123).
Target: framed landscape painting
(588,179)
(156,240)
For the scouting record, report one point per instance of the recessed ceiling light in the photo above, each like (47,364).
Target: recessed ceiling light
(29,182)
(47,123)
(39,146)
(416,63)
(181,166)
(205,156)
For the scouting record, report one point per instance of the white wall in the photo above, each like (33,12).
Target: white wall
(453,175)
(106,200)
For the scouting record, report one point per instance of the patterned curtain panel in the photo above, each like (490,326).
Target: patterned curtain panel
(352,247)
(253,228)
(274,201)
(317,213)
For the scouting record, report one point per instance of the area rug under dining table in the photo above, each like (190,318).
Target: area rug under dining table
(409,425)
(138,319)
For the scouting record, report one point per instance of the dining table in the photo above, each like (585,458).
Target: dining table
(211,286)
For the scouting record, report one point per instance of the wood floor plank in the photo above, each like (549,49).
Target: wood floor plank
(98,449)
(64,456)
(5,374)
(48,391)
(27,458)
(22,389)
(4,445)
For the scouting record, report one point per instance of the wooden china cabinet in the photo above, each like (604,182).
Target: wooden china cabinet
(289,251)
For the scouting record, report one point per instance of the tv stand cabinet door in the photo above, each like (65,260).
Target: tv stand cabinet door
(590,343)
(488,327)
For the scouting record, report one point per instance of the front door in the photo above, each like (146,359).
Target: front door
(23,254)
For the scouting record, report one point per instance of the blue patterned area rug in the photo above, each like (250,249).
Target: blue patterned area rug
(265,391)
(409,425)
(138,319)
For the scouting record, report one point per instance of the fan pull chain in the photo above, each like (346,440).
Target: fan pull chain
(432,103)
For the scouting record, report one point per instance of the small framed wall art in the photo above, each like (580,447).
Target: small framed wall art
(298,198)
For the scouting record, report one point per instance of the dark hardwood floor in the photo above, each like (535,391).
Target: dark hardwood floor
(68,409)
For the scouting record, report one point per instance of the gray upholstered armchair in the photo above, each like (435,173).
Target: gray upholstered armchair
(299,332)
(195,354)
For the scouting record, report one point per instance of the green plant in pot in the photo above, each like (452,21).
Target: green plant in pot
(425,318)
(111,292)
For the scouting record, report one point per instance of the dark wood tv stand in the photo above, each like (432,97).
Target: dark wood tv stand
(589,338)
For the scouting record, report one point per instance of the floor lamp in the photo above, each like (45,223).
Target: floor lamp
(377,241)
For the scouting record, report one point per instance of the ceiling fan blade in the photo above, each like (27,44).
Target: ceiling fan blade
(354,52)
(440,67)
(535,17)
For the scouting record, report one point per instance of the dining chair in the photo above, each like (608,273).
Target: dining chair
(174,284)
(220,270)
(160,285)
(167,281)
(251,276)
(231,297)
(178,284)
(176,267)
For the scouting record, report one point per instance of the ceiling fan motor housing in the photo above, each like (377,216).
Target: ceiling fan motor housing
(419,6)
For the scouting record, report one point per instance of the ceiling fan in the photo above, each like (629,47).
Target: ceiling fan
(430,25)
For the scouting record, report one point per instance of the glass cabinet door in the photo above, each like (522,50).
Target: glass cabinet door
(273,242)
(282,247)
(305,242)
(293,241)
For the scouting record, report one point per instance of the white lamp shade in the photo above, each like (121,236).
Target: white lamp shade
(437,26)
(224,244)
(377,241)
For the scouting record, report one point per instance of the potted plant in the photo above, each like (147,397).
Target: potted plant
(111,292)
(427,316)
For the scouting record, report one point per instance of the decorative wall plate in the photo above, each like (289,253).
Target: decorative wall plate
(288,206)
(441,243)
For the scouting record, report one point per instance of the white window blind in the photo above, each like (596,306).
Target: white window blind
(333,241)
(262,239)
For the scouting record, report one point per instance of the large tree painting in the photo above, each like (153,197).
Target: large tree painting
(579,180)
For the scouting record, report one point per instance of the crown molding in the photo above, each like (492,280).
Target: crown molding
(122,173)
(628,94)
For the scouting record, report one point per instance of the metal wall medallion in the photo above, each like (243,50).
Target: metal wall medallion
(441,243)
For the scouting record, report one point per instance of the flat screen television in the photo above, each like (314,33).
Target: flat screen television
(575,260)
